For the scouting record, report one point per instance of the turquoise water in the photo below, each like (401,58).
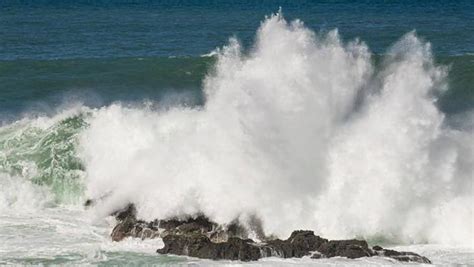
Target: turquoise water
(109,29)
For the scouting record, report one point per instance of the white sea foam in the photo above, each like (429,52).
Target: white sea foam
(20,196)
(302,131)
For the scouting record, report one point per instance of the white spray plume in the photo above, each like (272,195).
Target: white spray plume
(303,132)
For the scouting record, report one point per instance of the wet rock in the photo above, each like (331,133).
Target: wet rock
(223,233)
(122,230)
(127,212)
(202,225)
(200,246)
(351,249)
(299,244)
(238,249)
(403,256)
(126,222)
(376,248)
(89,202)
(317,255)
(129,226)
(196,225)
(199,237)
(200,222)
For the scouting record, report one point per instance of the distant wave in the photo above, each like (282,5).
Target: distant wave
(213,53)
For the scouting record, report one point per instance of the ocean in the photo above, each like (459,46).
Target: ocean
(355,120)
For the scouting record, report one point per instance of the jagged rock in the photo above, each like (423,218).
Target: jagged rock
(346,248)
(199,237)
(376,248)
(400,255)
(299,244)
(128,212)
(200,246)
(129,226)
(238,249)
(317,255)
(122,230)
(199,223)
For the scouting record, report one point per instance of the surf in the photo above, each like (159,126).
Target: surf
(302,130)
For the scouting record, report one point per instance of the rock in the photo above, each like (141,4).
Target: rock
(123,229)
(317,255)
(200,246)
(201,238)
(376,248)
(255,226)
(129,226)
(89,202)
(200,224)
(351,249)
(128,212)
(238,249)
(92,202)
(299,244)
(126,222)
(191,224)
(223,233)
(401,255)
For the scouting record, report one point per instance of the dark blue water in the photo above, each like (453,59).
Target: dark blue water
(85,29)
(120,50)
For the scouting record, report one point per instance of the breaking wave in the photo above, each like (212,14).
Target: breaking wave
(302,131)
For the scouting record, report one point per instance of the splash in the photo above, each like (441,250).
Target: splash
(38,155)
(303,131)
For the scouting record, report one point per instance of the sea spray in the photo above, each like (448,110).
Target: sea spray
(303,132)
(38,154)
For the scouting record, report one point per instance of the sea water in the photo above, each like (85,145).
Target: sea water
(353,120)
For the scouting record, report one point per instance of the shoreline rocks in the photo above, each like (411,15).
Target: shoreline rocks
(201,238)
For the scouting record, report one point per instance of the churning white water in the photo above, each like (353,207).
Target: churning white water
(302,130)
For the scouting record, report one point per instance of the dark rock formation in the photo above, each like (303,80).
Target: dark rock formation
(129,226)
(376,248)
(400,255)
(128,212)
(201,238)
(200,246)
(299,244)
(346,248)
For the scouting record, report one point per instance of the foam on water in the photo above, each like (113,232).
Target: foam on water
(42,150)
